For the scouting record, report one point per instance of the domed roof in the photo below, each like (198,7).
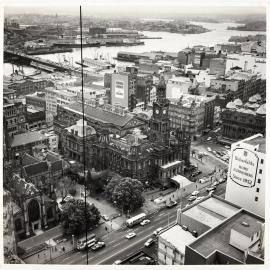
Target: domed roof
(230,105)
(238,102)
(261,110)
(252,99)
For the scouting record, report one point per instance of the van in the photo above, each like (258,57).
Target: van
(82,244)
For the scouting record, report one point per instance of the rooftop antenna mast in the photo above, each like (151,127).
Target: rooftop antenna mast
(84,134)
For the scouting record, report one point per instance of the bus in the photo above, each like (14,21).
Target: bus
(81,243)
(135,220)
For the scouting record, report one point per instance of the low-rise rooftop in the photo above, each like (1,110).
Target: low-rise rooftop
(218,239)
(26,138)
(178,237)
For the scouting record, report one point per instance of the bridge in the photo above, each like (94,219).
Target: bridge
(45,64)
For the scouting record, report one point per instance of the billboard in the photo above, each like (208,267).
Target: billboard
(244,164)
(119,89)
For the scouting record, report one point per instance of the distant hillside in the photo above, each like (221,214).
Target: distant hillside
(251,26)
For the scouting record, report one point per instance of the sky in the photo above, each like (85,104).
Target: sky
(147,8)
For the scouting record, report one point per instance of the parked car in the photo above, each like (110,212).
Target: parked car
(149,242)
(105,217)
(215,184)
(210,189)
(144,222)
(199,199)
(202,180)
(157,231)
(221,180)
(68,198)
(117,262)
(171,204)
(211,192)
(209,138)
(97,246)
(130,235)
(227,147)
(209,149)
(192,198)
(195,193)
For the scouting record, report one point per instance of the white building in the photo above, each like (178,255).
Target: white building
(177,86)
(246,175)
(53,141)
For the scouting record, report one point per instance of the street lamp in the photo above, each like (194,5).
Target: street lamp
(73,242)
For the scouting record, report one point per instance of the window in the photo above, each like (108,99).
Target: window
(256,199)
(257,190)
(260,171)
(262,161)
(259,181)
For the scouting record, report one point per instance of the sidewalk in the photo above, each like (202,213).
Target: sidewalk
(48,254)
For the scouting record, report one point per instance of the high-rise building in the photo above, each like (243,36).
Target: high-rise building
(246,175)
(123,90)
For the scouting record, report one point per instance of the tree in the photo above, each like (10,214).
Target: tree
(73,216)
(96,181)
(111,185)
(127,194)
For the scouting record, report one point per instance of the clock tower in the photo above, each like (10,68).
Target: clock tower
(159,123)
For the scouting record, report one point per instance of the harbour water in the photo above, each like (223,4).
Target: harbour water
(170,42)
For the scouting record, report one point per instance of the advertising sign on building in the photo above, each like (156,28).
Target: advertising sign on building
(244,164)
(119,89)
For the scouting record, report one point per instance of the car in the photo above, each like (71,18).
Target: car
(195,193)
(221,180)
(199,199)
(117,262)
(105,217)
(68,198)
(157,231)
(144,222)
(209,149)
(211,192)
(202,181)
(210,189)
(149,242)
(171,204)
(192,198)
(227,147)
(209,138)
(214,152)
(220,153)
(215,184)
(130,235)
(97,246)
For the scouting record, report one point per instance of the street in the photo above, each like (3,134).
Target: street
(118,247)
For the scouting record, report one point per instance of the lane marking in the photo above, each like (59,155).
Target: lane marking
(118,252)
(116,245)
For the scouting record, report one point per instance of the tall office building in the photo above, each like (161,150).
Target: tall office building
(246,175)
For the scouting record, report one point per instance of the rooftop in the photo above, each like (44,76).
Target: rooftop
(183,238)
(257,140)
(218,239)
(181,180)
(211,212)
(101,115)
(26,138)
